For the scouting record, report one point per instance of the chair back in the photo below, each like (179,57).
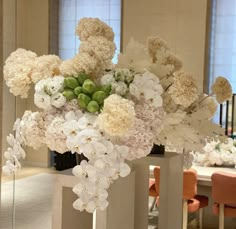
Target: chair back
(224,188)
(189,182)
(157,179)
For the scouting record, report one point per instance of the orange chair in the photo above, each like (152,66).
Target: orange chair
(224,195)
(191,201)
(152,192)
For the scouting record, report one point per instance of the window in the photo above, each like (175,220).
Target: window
(71,11)
(223,51)
(223,41)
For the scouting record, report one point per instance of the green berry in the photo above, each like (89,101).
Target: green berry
(83,100)
(78,90)
(89,86)
(69,94)
(71,82)
(99,96)
(106,88)
(93,107)
(67,89)
(81,78)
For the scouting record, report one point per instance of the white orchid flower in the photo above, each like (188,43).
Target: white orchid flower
(147,86)
(93,149)
(73,115)
(102,205)
(71,128)
(87,121)
(85,171)
(87,136)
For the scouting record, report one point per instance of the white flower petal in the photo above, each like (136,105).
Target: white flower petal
(124,170)
(79,205)
(91,207)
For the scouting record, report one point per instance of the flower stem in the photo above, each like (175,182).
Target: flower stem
(205,98)
(14,202)
(168,87)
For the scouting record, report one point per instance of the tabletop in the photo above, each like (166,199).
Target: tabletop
(204,173)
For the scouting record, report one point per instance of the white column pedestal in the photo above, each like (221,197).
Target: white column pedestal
(119,214)
(171,190)
(128,198)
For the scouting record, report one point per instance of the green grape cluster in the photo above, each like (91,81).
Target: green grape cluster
(90,96)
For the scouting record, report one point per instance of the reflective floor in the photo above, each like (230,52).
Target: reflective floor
(34,192)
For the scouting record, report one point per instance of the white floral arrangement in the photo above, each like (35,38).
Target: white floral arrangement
(217,153)
(109,113)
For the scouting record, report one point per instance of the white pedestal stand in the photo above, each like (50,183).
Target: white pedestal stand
(128,198)
(119,214)
(171,190)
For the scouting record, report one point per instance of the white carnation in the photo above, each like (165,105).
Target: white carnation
(48,93)
(58,100)
(42,100)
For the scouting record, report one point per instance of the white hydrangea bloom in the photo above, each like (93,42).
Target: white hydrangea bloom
(55,139)
(139,140)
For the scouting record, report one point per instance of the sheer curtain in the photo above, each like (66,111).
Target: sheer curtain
(71,11)
(223,47)
(223,42)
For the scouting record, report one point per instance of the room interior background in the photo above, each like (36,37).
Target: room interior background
(33,25)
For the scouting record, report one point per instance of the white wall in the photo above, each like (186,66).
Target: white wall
(182,23)
(26,25)
(9,45)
